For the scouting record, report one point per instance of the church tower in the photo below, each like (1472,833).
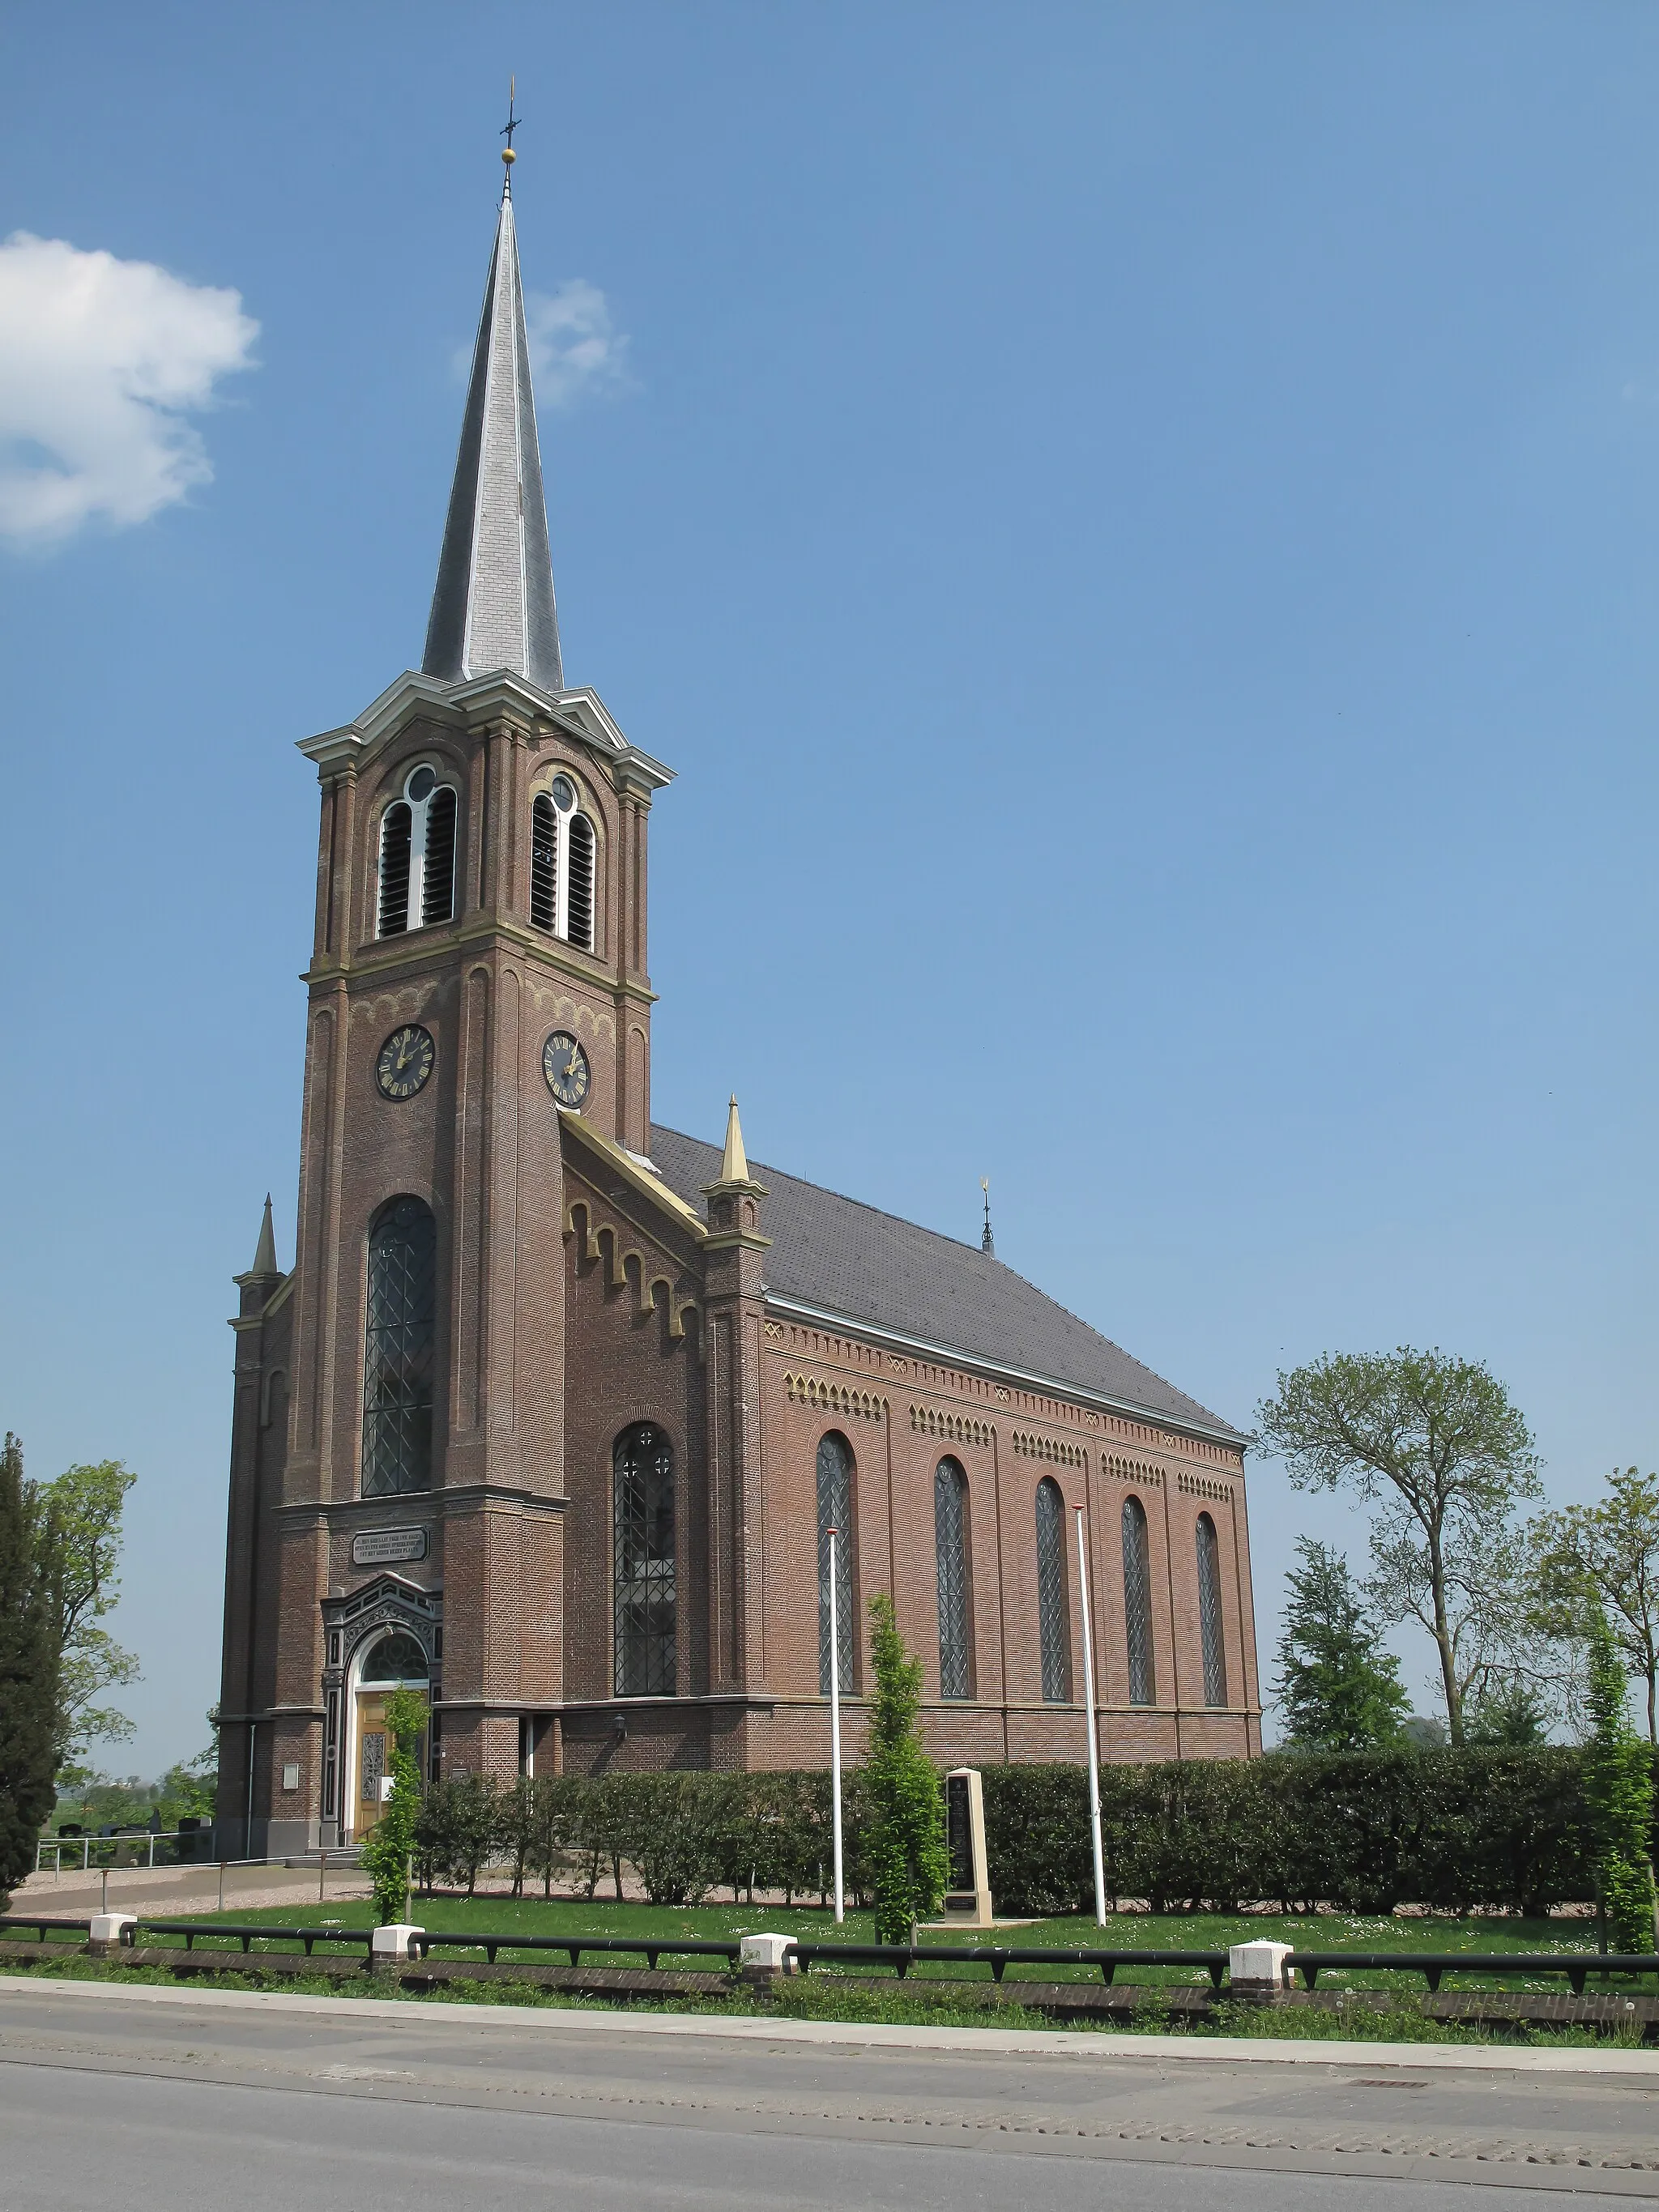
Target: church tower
(479,963)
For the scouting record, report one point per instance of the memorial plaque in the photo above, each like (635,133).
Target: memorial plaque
(376,1547)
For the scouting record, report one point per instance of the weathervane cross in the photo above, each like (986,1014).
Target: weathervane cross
(513,120)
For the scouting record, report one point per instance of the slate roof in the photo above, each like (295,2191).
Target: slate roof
(854,1261)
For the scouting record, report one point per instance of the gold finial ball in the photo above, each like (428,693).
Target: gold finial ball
(508,156)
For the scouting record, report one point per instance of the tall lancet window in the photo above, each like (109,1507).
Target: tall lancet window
(418,856)
(643,1465)
(1138,1603)
(956,1670)
(835,1512)
(1051,1618)
(1209,1613)
(562,866)
(400,1351)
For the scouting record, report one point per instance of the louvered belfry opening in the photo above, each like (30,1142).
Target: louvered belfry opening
(643,1468)
(1209,1613)
(951,1546)
(438,880)
(1052,1619)
(1138,1604)
(835,1512)
(399,1353)
(544,864)
(579,926)
(394,870)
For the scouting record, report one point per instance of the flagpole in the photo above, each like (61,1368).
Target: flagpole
(1094,1740)
(834,1724)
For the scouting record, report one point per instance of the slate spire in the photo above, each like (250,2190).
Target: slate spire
(493,603)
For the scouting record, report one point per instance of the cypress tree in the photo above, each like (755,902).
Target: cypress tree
(1338,1688)
(904,1838)
(1618,1785)
(28,1671)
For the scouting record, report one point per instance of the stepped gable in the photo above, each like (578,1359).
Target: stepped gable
(866,1266)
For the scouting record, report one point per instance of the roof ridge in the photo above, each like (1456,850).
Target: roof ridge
(863,1204)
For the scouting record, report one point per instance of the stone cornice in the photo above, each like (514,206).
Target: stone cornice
(976,1363)
(474,706)
(378,959)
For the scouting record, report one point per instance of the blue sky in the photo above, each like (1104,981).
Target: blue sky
(1138,530)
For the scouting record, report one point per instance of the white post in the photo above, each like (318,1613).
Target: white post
(1094,1744)
(834,1726)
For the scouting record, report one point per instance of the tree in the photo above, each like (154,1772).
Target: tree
(83,1513)
(1438,1444)
(1608,1555)
(904,1838)
(1506,1716)
(28,1671)
(1337,1689)
(1618,1786)
(386,1855)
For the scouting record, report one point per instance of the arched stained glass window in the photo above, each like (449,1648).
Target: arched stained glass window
(1209,1613)
(955,1673)
(399,1351)
(1138,1604)
(395,1658)
(644,1467)
(835,1512)
(1051,1618)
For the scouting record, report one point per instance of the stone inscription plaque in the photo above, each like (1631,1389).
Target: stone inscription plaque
(376,1547)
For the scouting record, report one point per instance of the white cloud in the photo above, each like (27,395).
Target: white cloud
(101,361)
(574,350)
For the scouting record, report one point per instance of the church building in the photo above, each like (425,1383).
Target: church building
(556,1409)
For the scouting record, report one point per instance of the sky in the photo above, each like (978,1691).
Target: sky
(1138,530)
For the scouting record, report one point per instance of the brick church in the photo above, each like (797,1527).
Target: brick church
(556,1407)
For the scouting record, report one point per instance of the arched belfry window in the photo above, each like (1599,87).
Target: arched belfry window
(1138,1603)
(1051,1618)
(1209,1613)
(399,1350)
(955,1671)
(562,866)
(418,856)
(835,1512)
(642,1466)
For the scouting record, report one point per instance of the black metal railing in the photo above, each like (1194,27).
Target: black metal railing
(1575,1967)
(649,1948)
(1000,1957)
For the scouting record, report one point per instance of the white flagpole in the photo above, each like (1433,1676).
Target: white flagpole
(1094,1741)
(834,1724)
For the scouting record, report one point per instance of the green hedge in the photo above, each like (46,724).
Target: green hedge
(1366,1831)
(1449,1829)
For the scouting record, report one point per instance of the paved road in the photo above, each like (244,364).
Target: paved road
(165,2107)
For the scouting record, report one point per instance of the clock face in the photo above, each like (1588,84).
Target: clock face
(407,1059)
(565,1065)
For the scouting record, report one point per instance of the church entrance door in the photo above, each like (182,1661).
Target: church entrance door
(373,1761)
(394,1661)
